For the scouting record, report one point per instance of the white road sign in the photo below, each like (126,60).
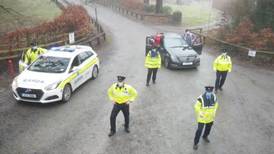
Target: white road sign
(71,38)
(252,53)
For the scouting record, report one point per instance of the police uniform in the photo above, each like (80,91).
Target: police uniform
(32,53)
(121,94)
(205,109)
(152,63)
(221,65)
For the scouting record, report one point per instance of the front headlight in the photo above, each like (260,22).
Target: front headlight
(14,82)
(52,86)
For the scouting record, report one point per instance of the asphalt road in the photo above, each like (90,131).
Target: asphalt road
(162,118)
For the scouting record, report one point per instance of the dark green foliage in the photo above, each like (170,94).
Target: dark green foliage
(263,15)
(177,17)
(166,10)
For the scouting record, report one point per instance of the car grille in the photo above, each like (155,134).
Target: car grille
(25,91)
(187,58)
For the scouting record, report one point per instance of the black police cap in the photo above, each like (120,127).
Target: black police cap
(33,43)
(121,78)
(209,88)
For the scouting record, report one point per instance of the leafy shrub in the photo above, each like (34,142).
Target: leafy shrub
(245,34)
(177,17)
(73,18)
(150,8)
(166,10)
(132,4)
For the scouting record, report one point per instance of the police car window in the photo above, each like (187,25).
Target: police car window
(75,62)
(84,56)
(89,53)
(50,64)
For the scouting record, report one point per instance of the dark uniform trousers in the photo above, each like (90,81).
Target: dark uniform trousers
(220,79)
(200,130)
(116,109)
(153,72)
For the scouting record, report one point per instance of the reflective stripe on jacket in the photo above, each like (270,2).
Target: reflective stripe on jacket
(222,63)
(122,95)
(205,112)
(153,62)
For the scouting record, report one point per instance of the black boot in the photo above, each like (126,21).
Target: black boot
(206,140)
(111,133)
(127,130)
(195,147)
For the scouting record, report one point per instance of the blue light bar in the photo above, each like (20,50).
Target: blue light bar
(62,49)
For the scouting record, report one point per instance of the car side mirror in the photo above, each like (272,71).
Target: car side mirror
(74,69)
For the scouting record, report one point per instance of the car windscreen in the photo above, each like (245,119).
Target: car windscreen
(174,43)
(50,64)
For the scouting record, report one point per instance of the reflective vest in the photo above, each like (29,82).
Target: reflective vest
(31,55)
(206,109)
(222,63)
(122,95)
(153,61)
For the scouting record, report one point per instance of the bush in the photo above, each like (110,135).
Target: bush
(73,18)
(166,10)
(150,8)
(245,34)
(177,17)
(132,4)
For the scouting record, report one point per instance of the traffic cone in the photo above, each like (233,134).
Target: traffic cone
(11,71)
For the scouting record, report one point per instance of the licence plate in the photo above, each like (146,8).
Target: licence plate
(29,95)
(188,63)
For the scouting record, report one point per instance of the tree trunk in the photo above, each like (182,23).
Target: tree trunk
(159,6)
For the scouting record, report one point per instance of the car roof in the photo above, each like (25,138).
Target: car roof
(172,35)
(67,51)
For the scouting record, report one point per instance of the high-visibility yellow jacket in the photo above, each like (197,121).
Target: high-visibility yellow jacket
(206,109)
(153,62)
(122,95)
(222,63)
(31,55)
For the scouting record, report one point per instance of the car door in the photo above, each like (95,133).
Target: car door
(148,43)
(164,53)
(85,60)
(75,69)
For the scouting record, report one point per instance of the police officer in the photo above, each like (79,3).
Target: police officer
(221,65)
(205,109)
(121,95)
(153,62)
(33,53)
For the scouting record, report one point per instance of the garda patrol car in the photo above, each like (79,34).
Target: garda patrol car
(56,74)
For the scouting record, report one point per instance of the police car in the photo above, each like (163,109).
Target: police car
(56,74)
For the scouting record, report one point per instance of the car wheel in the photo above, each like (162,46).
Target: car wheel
(95,72)
(66,93)
(167,62)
